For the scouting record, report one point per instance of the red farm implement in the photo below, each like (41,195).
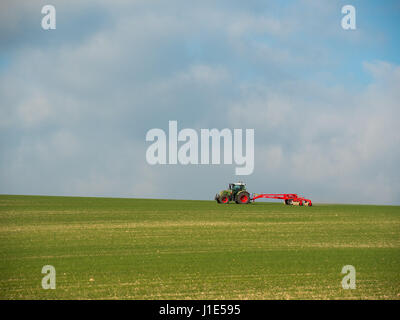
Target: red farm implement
(288,198)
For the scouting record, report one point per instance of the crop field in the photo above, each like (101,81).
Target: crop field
(108,248)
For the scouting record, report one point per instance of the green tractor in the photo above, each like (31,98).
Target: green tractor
(237,192)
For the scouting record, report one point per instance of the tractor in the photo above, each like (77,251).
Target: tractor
(236,192)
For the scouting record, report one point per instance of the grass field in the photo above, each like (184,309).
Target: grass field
(105,248)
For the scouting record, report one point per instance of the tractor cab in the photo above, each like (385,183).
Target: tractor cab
(236,187)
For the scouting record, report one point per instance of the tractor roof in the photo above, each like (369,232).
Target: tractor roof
(239,184)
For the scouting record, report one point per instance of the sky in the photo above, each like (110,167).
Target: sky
(76,102)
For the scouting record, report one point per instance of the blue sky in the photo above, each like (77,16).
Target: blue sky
(76,102)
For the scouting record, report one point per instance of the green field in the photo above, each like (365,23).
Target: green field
(104,248)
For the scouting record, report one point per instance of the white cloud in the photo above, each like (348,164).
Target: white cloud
(34,110)
(74,113)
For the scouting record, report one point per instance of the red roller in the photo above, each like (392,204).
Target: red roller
(288,198)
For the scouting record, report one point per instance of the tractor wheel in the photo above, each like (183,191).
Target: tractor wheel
(289,202)
(217,198)
(224,199)
(243,198)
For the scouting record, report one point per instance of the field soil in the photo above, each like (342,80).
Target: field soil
(107,248)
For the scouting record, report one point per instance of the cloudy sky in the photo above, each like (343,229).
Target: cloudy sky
(76,102)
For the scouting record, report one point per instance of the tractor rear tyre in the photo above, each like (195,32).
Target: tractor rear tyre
(243,198)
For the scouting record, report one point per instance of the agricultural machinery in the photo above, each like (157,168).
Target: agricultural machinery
(237,192)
